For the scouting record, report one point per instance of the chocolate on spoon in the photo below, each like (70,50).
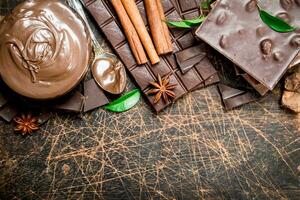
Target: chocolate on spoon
(107,71)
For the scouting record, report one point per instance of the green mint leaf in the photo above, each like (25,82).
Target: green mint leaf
(126,102)
(274,22)
(205,5)
(186,23)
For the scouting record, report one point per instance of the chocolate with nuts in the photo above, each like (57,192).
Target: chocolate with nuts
(235,29)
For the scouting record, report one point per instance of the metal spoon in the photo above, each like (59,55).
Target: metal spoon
(107,71)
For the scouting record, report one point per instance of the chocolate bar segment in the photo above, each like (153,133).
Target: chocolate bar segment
(260,88)
(8,112)
(233,98)
(144,74)
(235,29)
(94,96)
(188,58)
(74,102)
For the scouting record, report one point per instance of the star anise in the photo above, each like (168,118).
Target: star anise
(26,124)
(162,89)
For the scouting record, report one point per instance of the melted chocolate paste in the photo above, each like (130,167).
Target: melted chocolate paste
(45,49)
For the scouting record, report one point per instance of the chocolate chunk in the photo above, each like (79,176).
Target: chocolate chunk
(291,100)
(292,83)
(182,38)
(3,100)
(260,88)
(235,29)
(189,57)
(94,96)
(233,98)
(205,69)
(212,80)
(71,103)
(190,79)
(238,71)
(43,118)
(295,62)
(8,112)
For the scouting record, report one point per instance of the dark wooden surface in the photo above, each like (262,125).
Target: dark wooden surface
(192,150)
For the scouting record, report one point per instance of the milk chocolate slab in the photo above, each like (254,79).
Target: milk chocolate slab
(108,22)
(235,29)
(94,96)
(233,98)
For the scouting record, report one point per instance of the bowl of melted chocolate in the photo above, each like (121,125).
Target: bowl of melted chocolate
(45,49)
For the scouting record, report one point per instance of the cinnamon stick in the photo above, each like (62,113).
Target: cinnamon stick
(136,19)
(164,26)
(130,32)
(156,27)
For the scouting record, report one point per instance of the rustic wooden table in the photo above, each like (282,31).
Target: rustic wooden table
(192,150)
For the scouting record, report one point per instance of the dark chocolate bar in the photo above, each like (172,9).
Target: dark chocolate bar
(107,20)
(260,88)
(188,58)
(94,96)
(73,102)
(188,9)
(235,29)
(8,112)
(234,98)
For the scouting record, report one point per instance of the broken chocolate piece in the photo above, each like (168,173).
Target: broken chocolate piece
(260,88)
(291,100)
(296,61)
(233,98)
(71,103)
(3,100)
(107,20)
(292,83)
(94,96)
(207,72)
(8,112)
(43,118)
(189,57)
(237,32)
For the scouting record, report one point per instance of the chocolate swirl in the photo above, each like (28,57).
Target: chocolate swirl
(44,49)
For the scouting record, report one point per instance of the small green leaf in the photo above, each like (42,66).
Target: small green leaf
(275,23)
(180,24)
(126,102)
(186,23)
(205,5)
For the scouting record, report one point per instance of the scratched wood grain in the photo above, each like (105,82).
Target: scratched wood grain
(192,150)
